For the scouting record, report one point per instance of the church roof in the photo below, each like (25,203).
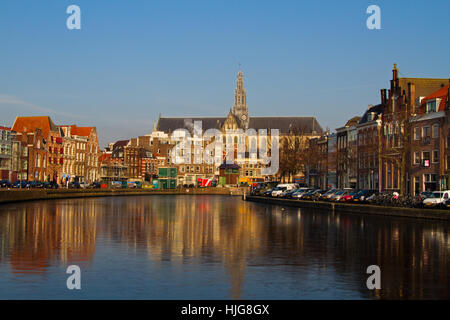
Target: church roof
(308,124)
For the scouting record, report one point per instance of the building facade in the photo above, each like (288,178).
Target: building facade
(429,138)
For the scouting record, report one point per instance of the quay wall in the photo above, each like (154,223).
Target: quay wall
(365,209)
(18,195)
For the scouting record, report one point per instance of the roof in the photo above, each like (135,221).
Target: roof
(423,86)
(229,166)
(442,94)
(353,121)
(377,110)
(81,131)
(309,124)
(27,124)
(104,157)
(120,143)
(5,128)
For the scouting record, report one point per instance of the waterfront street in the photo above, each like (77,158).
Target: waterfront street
(215,247)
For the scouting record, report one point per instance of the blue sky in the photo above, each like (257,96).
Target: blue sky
(135,59)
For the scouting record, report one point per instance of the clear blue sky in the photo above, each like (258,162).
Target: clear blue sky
(135,59)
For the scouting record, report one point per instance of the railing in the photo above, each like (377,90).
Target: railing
(426,140)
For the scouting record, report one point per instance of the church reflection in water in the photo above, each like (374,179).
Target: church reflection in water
(242,238)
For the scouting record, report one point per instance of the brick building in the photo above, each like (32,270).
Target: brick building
(368,138)
(5,153)
(346,167)
(402,102)
(429,138)
(45,147)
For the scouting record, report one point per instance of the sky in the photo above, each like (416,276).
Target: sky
(134,60)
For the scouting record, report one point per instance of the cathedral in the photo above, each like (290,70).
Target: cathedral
(233,128)
(239,118)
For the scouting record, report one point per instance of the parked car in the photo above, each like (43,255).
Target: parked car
(289,194)
(50,185)
(74,185)
(21,184)
(436,199)
(5,184)
(308,195)
(348,196)
(338,195)
(446,204)
(362,195)
(327,195)
(279,189)
(268,193)
(300,192)
(423,195)
(317,194)
(95,185)
(84,185)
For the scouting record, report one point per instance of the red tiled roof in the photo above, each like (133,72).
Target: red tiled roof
(5,128)
(442,94)
(81,131)
(104,157)
(29,124)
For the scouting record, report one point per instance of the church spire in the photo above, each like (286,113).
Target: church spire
(240,110)
(239,93)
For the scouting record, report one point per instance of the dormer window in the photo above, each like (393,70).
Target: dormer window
(431,106)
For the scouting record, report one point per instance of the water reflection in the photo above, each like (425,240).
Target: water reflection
(219,247)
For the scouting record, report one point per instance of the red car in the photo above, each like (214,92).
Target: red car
(348,197)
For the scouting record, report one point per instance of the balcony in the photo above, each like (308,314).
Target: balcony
(426,141)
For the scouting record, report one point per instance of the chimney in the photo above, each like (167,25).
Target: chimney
(412,97)
(395,72)
(383,96)
(412,94)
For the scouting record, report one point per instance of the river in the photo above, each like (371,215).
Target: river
(215,247)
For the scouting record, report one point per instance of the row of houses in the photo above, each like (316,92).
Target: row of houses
(35,149)
(401,144)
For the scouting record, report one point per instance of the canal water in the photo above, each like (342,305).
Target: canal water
(215,247)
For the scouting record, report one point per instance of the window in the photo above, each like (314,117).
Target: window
(425,131)
(431,106)
(426,158)
(416,158)
(416,133)
(435,131)
(435,156)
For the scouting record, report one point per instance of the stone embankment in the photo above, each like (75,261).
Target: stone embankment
(365,209)
(17,195)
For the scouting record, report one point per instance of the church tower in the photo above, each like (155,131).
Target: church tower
(240,110)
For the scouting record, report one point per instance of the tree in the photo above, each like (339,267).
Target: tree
(294,153)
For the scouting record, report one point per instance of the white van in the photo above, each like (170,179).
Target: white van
(283,187)
(437,198)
